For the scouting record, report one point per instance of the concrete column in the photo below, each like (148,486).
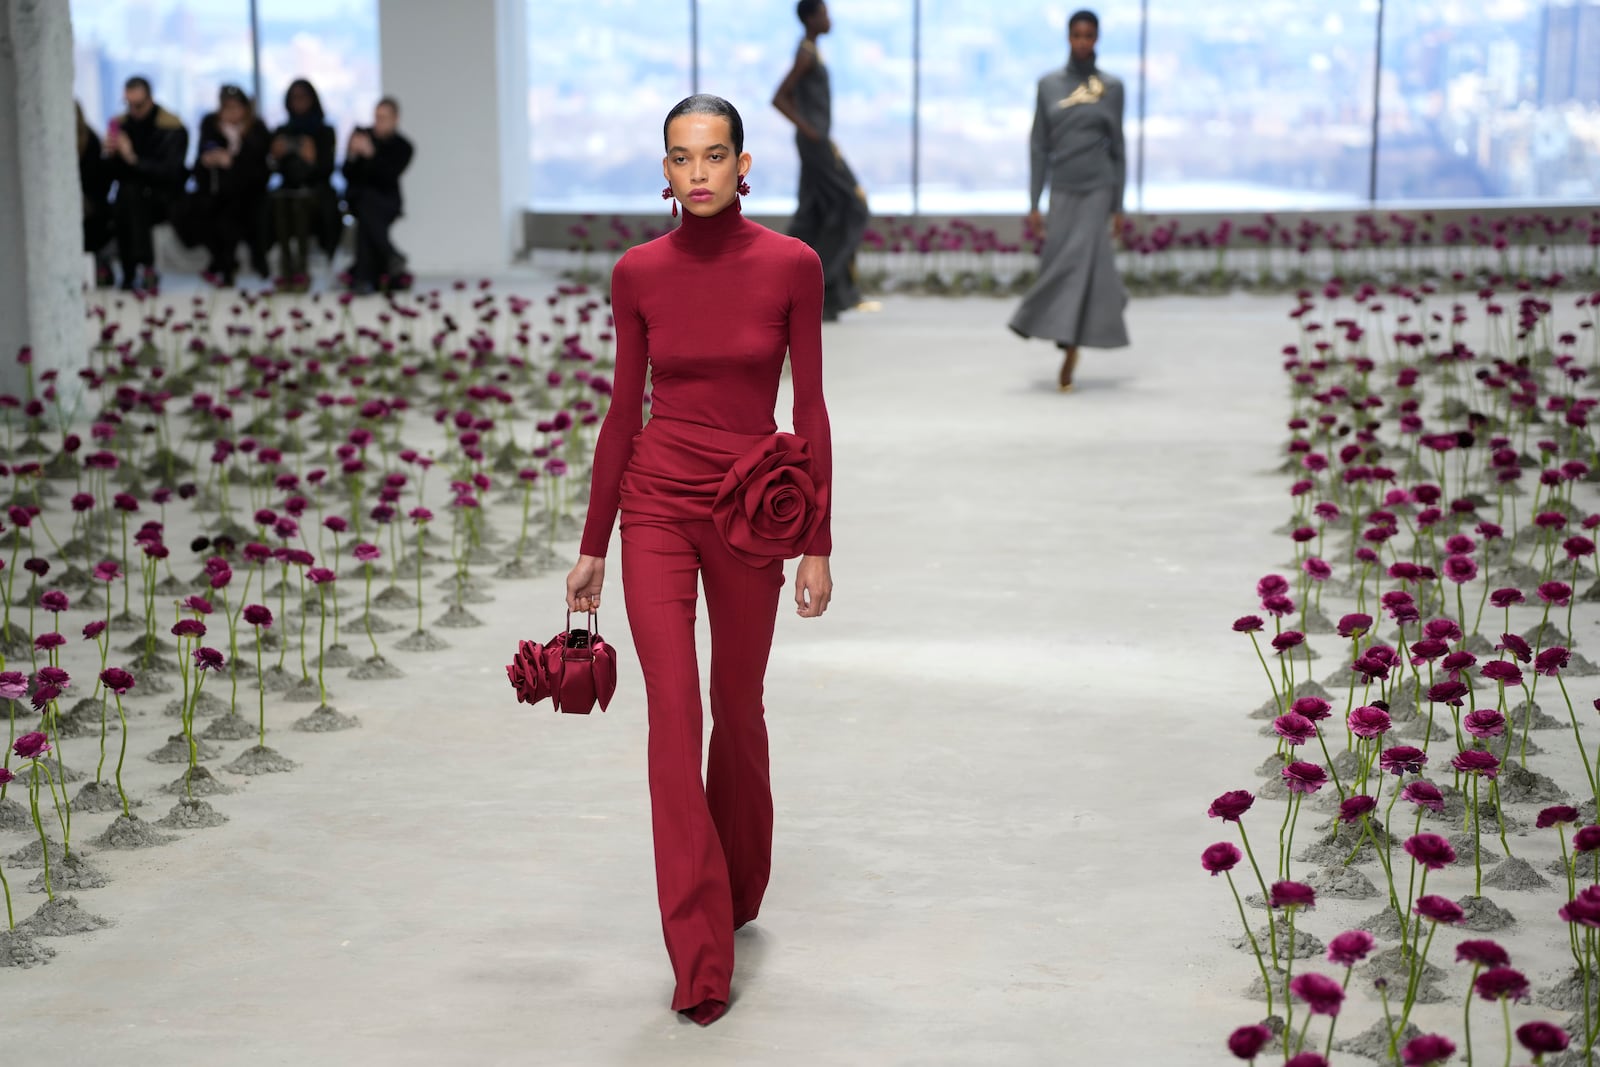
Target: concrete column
(42,271)
(459,72)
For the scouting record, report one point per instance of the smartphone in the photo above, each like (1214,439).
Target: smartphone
(112,129)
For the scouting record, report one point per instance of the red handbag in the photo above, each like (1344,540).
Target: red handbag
(576,669)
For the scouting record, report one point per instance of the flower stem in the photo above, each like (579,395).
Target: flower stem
(121,792)
(1255,946)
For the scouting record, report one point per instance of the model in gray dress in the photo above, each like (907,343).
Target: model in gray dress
(1077,147)
(832,213)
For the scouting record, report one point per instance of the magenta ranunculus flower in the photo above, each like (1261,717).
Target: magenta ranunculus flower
(1429,1050)
(1460,569)
(1278,606)
(107,571)
(1368,722)
(1587,839)
(6,777)
(46,641)
(1483,953)
(1557,593)
(54,601)
(1502,672)
(1292,895)
(31,746)
(1247,1042)
(1431,851)
(1477,761)
(1552,661)
(1303,777)
(1287,640)
(320,576)
(1452,693)
(1485,722)
(1458,661)
(1515,645)
(1427,649)
(258,615)
(366,552)
(1442,630)
(1423,793)
(1403,759)
(94,629)
(1306,1059)
(1314,708)
(116,679)
(1505,598)
(1316,569)
(1556,815)
(1583,909)
(188,628)
(1354,624)
(1230,806)
(1272,585)
(1350,948)
(1542,1039)
(1323,996)
(13,685)
(1439,909)
(1295,729)
(1352,808)
(1502,983)
(207,659)
(1220,857)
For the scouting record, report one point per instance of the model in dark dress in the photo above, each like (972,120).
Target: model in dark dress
(832,213)
(1077,146)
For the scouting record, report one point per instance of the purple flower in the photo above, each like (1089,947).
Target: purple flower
(1295,729)
(1516,646)
(1402,760)
(1427,1050)
(1306,1059)
(1232,805)
(1354,625)
(1477,761)
(1482,953)
(1351,809)
(1584,908)
(207,659)
(54,601)
(1485,722)
(1451,693)
(1505,598)
(1350,948)
(1552,661)
(1586,839)
(1292,895)
(116,679)
(1424,794)
(1368,722)
(1557,593)
(1503,672)
(1502,983)
(1283,642)
(1220,857)
(1247,1042)
(1427,650)
(1555,816)
(1431,851)
(13,685)
(107,571)
(258,615)
(1278,606)
(1438,909)
(366,552)
(1314,708)
(1302,777)
(1442,630)
(1459,661)
(46,641)
(188,628)
(336,524)
(1323,996)
(1542,1038)
(320,575)
(1317,570)
(31,746)
(94,629)
(1460,569)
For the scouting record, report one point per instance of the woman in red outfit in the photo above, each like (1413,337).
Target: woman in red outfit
(709,489)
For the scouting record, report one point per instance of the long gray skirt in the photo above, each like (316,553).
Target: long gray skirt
(1078,297)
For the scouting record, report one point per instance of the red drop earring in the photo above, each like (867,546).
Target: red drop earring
(744,186)
(666,194)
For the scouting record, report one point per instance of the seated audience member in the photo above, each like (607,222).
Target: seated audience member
(231,183)
(303,204)
(94,181)
(374,161)
(145,149)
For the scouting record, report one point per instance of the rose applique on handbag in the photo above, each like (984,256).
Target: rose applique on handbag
(576,669)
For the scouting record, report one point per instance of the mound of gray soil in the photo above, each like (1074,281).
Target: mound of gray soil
(1484,916)
(1515,874)
(197,782)
(376,668)
(130,832)
(326,720)
(422,641)
(305,691)
(176,750)
(458,618)
(61,917)
(17,949)
(259,760)
(230,728)
(73,872)
(191,814)
(338,656)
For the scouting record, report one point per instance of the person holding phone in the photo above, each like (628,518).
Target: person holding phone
(376,157)
(303,204)
(146,147)
(231,183)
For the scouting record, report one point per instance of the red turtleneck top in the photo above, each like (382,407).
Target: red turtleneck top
(711,308)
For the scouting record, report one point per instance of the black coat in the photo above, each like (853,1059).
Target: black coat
(247,178)
(379,175)
(296,172)
(161,147)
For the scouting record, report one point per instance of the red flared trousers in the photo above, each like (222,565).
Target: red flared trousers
(713,837)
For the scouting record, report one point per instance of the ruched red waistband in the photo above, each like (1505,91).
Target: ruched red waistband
(677,468)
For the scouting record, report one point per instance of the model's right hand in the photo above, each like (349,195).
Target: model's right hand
(584,582)
(1035,226)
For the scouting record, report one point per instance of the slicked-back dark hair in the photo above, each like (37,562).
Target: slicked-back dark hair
(138,81)
(1084,15)
(707,104)
(806,8)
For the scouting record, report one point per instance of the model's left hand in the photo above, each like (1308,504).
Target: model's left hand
(1116,227)
(813,586)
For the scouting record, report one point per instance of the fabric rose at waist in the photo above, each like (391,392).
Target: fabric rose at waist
(757,489)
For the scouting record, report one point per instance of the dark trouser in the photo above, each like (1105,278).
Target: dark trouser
(135,213)
(375,212)
(832,218)
(713,841)
(293,212)
(231,222)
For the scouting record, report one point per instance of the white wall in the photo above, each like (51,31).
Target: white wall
(41,210)
(458,72)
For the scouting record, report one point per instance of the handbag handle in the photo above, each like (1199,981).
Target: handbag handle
(588,649)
